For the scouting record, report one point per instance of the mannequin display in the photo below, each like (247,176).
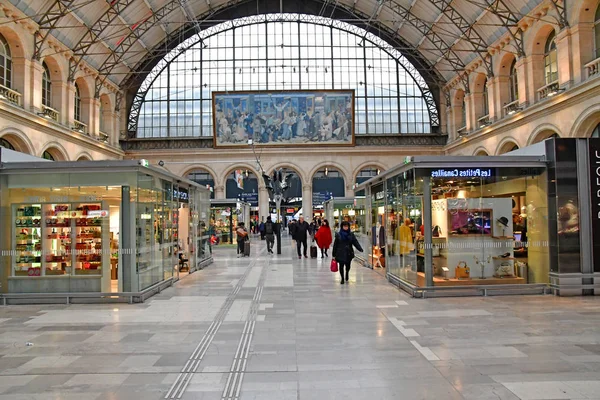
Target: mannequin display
(405,237)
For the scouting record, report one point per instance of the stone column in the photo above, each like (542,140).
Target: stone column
(59,100)
(498,94)
(219,192)
(470,112)
(564,46)
(582,50)
(522,81)
(349,191)
(94,119)
(22,80)
(263,203)
(70,105)
(307,206)
(535,76)
(494,97)
(35,88)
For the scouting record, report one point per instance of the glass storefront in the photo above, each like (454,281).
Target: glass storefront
(337,210)
(224,218)
(98,227)
(461,221)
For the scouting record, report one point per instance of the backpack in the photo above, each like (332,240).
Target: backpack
(269,228)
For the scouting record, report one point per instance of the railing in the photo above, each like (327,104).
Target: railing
(80,127)
(548,90)
(593,68)
(50,113)
(11,95)
(484,121)
(511,108)
(462,131)
(103,137)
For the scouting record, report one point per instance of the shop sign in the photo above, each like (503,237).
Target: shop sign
(594,156)
(97,213)
(379,195)
(462,173)
(182,195)
(290,211)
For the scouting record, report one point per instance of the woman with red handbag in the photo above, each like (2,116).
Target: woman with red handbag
(343,249)
(323,238)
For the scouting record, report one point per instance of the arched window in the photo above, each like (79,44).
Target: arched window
(6,144)
(48,156)
(596,132)
(102,121)
(513,82)
(550,60)
(5,63)
(597,31)
(295,52)
(77,104)
(46,87)
(485,107)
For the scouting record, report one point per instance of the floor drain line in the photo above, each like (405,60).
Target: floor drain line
(183,379)
(238,367)
(236,374)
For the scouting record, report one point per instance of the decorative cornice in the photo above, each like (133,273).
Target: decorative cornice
(207,142)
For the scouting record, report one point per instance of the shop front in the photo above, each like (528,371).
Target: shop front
(352,210)
(102,227)
(225,215)
(461,224)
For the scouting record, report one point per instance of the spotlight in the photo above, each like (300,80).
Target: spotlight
(161,163)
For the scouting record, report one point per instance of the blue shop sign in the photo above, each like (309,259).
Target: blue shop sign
(462,173)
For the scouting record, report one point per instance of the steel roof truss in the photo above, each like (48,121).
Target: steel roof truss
(48,23)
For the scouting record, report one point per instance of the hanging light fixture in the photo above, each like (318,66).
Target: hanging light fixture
(326,171)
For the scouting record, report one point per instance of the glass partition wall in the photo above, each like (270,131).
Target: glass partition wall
(461,225)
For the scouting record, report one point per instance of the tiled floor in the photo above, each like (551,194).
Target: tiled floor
(275,327)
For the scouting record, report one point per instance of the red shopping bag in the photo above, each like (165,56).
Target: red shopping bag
(334,266)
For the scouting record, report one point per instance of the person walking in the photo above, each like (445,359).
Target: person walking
(261,228)
(242,237)
(301,231)
(269,234)
(343,249)
(323,238)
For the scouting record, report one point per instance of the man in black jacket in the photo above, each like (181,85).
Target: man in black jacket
(269,232)
(301,233)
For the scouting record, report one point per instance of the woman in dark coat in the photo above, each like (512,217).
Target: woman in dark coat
(343,249)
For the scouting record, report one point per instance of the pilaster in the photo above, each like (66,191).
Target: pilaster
(307,206)
(22,75)
(564,47)
(35,86)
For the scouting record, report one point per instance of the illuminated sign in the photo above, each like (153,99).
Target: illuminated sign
(462,173)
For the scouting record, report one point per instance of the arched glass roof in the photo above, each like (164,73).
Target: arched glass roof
(283,52)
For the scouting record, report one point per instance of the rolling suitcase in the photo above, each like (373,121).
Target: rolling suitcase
(313,251)
(247,248)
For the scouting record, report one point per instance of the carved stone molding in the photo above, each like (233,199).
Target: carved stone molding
(207,142)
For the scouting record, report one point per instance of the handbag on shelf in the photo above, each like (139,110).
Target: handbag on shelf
(505,269)
(435,250)
(462,271)
(334,266)
(436,231)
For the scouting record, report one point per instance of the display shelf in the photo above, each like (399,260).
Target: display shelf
(484,235)
(58,241)
(27,260)
(504,237)
(503,258)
